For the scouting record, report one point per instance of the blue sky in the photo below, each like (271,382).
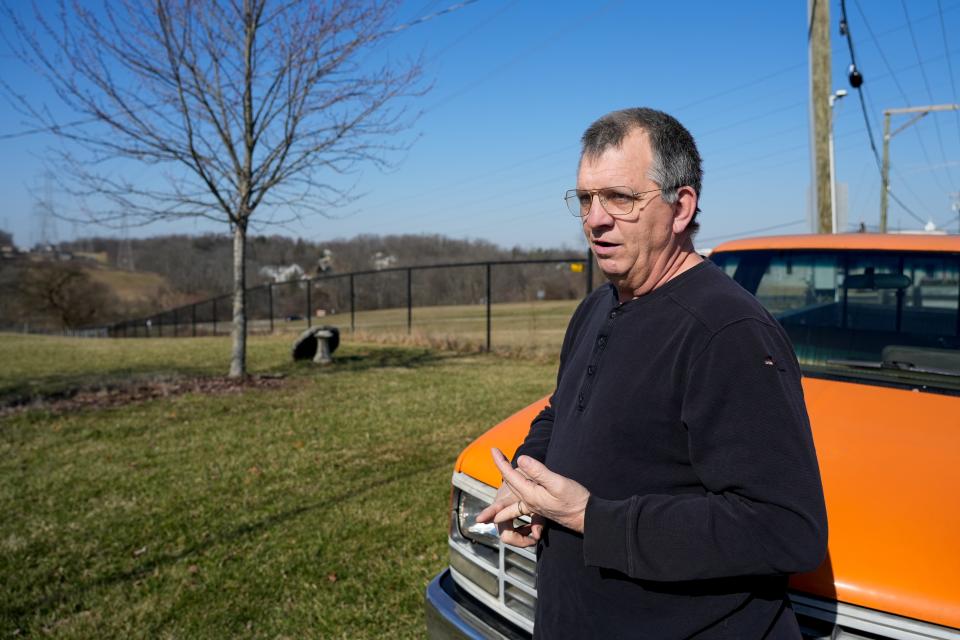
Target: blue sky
(515,83)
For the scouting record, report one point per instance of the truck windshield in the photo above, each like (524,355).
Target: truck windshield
(882,316)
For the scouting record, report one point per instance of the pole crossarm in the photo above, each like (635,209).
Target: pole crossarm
(908,123)
(927,109)
(920,111)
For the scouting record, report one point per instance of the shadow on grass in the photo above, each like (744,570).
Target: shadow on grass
(56,387)
(65,386)
(359,358)
(225,536)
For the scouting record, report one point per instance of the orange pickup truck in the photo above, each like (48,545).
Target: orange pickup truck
(874,321)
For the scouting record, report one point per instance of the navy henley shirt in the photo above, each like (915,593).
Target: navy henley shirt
(682,413)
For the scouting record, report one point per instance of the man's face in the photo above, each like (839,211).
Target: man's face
(630,250)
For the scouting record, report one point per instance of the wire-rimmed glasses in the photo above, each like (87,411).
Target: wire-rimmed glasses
(617,201)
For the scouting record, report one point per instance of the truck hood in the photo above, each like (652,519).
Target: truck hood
(891,474)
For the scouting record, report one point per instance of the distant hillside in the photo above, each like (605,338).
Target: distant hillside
(130,286)
(139,291)
(200,266)
(50,291)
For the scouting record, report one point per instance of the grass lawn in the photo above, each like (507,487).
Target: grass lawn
(316,508)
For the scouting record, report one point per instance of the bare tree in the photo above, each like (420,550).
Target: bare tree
(63,294)
(243,106)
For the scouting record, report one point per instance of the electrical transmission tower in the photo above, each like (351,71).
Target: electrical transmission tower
(44,211)
(125,251)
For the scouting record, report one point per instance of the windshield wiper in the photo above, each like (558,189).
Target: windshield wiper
(894,365)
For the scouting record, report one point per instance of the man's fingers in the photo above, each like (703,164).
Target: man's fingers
(487,514)
(494,508)
(504,497)
(536,530)
(514,539)
(508,513)
(516,480)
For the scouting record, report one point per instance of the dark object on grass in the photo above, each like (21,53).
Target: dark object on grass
(317,343)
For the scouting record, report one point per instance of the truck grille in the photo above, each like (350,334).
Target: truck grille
(504,578)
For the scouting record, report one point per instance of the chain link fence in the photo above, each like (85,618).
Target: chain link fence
(510,304)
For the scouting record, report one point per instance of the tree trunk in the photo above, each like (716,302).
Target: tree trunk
(238,359)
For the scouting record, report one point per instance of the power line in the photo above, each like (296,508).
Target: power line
(741,234)
(56,128)
(903,94)
(909,189)
(866,117)
(427,7)
(949,219)
(740,87)
(521,55)
(469,32)
(435,14)
(926,82)
(894,197)
(946,48)
(859,88)
(49,129)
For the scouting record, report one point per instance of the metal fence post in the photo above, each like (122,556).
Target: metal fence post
(193,319)
(353,305)
(488,307)
(409,301)
(589,271)
(309,304)
(160,324)
(214,316)
(176,323)
(270,297)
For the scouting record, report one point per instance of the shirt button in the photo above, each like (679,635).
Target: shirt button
(613,314)
(590,370)
(580,400)
(601,341)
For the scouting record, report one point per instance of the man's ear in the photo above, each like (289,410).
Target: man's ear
(684,209)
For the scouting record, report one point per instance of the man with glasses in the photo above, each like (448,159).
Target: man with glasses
(671,484)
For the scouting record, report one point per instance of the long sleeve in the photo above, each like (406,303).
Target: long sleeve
(749,441)
(538,438)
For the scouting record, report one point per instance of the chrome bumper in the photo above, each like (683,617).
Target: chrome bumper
(452,613)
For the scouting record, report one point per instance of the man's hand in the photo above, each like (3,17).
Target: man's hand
(525,535)
(536,489)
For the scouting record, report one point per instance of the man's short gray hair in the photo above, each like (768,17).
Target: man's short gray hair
(676,161)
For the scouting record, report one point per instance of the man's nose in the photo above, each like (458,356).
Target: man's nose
(597,216)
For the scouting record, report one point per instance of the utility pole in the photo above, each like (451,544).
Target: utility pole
(956,207)
(837,95)
(887,135)
(818,12)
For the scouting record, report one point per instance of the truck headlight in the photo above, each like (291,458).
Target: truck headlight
(467,510)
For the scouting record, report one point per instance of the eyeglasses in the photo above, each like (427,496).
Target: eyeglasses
(617,201)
